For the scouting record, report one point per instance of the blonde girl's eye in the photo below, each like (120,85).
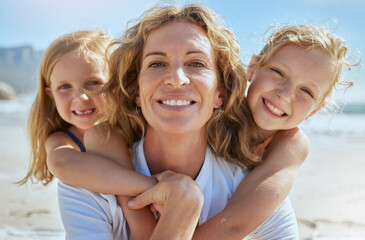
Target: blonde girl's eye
(65,86)
(94,83)
(277,71)
(308,92)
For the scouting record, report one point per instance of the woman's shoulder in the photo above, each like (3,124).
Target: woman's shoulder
(225,167)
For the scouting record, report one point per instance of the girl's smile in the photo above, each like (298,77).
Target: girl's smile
(70,78)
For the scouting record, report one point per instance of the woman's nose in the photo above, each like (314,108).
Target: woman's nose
(177,77)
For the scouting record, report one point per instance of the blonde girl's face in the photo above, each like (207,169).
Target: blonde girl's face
(289,88)
(71,76)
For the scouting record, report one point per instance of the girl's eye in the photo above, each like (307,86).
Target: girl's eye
(65,86)
(308,92)
(277,71)
(94,83)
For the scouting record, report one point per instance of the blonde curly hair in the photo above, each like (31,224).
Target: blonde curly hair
(228,125)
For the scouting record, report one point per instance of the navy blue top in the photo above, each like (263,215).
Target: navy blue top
(76,140)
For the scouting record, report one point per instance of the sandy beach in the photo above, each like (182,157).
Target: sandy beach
(328,196)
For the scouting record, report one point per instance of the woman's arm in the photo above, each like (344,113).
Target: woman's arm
(262,191)
(106,173)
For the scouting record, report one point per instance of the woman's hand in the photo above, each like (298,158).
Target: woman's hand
(179,201)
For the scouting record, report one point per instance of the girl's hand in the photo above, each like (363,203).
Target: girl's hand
(178,199)
(171,187)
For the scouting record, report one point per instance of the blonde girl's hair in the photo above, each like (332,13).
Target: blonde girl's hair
(227,125)
(310,37)
(43,118)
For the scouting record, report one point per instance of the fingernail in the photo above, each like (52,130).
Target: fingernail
(130,203)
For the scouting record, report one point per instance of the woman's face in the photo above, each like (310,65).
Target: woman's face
(178,86)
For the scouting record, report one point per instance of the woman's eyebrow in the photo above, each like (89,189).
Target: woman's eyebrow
(155,53)
(195,52)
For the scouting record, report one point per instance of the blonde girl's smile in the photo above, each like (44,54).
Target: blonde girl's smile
(72,78)
(289,88)
(271,107)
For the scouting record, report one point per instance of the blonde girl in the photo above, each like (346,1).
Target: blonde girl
(72,67)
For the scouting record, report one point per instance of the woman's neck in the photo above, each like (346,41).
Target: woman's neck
(181,153)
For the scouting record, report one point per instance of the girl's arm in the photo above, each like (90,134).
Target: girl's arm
(95,172)
(114,149)
(262,191)
(179,199)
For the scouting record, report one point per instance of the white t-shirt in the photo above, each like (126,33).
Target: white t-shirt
(89,215)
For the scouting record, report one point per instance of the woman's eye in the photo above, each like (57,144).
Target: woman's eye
(277,71)
(197,64)
(308,92)
(65,86)
(155,65)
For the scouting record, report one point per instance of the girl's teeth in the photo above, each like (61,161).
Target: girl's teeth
(274,110)
(176,102)
(83,112)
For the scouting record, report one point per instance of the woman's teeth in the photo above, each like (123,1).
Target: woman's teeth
(274,110)
(176,102)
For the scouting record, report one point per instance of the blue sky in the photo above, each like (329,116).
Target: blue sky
(38,22)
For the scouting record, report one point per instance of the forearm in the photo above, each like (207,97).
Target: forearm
(98,174)
(137,218)
(177,223)
(261,192)
(252,203)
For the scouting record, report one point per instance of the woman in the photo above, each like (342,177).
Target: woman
(172,84)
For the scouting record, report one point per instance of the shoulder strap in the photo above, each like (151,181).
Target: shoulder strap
(76,140)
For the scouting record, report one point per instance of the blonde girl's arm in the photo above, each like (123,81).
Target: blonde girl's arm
(107,174)
(262,191)
(116,149)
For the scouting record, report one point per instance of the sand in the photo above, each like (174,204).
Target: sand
(328,196)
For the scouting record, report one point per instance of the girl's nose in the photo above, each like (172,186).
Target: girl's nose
(84,97)
(81,96)
(177,78)
(285,93)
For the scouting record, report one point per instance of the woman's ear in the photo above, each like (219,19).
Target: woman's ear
(138,101)
(251,69)
(218,98)
(48,92)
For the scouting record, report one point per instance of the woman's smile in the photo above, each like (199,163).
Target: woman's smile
(178,86)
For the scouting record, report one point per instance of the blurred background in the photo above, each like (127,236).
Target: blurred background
(328,195)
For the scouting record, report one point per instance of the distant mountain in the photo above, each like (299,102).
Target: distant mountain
(19,67)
